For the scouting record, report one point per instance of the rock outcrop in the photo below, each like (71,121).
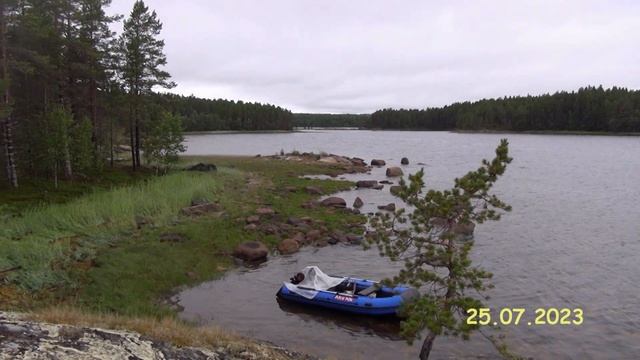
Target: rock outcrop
(21,338)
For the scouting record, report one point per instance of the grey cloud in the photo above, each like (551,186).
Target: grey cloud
(358,56)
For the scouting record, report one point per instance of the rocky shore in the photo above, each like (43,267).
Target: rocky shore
(21,338)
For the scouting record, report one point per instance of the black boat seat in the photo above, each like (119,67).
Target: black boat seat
(370,290)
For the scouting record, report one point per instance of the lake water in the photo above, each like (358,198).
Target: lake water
(572,240)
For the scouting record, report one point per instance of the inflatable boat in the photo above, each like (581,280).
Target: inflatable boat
(359,296)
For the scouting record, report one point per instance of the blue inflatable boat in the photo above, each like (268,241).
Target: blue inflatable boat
(359,296)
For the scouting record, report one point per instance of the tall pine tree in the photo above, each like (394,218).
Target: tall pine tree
(142,60)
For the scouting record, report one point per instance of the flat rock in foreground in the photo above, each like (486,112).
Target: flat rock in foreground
(24,339)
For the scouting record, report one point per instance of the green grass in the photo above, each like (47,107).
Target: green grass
(87,251)
(45,239)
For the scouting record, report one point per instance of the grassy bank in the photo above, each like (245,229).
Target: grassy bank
(89,253)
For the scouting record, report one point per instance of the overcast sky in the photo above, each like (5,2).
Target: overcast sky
(359,56)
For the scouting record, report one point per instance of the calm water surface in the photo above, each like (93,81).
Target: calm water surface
(572,240)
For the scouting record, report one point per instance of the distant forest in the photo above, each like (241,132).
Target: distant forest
(588,109)
(304,120)
(200,114)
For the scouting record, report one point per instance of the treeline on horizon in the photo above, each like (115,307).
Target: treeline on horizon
(590,109)
(309,120)
(199,114)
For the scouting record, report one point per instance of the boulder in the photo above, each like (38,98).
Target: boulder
(358,162)
(313,190)
(395,190)
(366,183)
(251,251)
(202,167)
(378,162)
(404,161)
(334,201)
(336,237)
(288,246)
(172,237)
(394,171)
(300,238)
(313,235)
(250,227)
(321,242)
(388,207)
(253,219)
(378,187)
(265,211)
(354,239)
(358,203)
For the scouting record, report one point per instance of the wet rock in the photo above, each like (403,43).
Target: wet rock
(321,242)
(173,237)
(265,211)
(394,171)
(404,161)
(358,162)
(337,236)
(378,187)
(313,190)
(388,207)
(313,235)
(253,219)
(358,203)
(251,251)
(201,209)
(395,190)
(355,239)
(378,162)
(366,183)
(387,182)
(300,238)
(288,246)
(202,167)
(334,201)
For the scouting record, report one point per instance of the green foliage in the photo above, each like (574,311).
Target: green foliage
(82,150)
(331,120)
(46,240)
(590,109)
(436,260)
(56,138)
(164,141)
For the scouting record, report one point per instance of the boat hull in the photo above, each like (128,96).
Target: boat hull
(356,304)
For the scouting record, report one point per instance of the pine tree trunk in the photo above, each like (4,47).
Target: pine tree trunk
(131,138)
(427,344)
(6,123)
(68,170)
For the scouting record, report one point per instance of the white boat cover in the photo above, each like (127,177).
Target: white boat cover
(314,280)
